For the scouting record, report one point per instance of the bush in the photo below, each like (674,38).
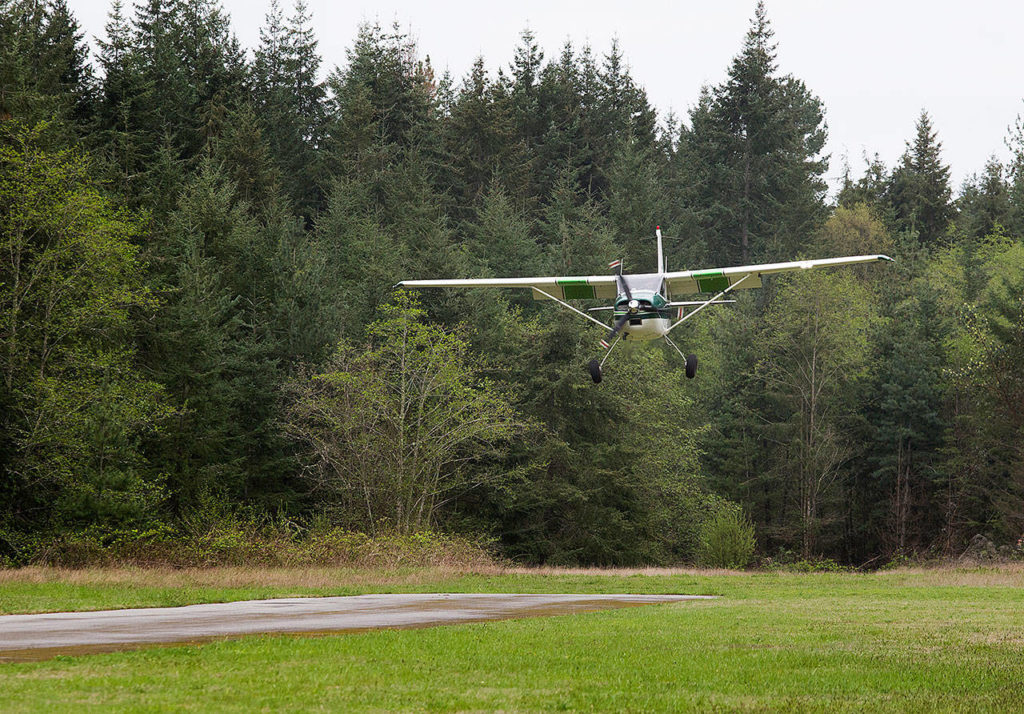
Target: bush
(726,539)
(240,542)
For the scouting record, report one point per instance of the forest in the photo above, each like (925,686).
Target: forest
(197,319)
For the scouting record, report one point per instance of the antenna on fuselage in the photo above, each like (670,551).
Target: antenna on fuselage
(661,254)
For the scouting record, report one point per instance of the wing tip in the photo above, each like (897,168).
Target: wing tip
(885,258)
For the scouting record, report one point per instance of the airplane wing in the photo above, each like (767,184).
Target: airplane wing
(716,280)
(567,288)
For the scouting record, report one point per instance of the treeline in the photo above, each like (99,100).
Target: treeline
(199,246)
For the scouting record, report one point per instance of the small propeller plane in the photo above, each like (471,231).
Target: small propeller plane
(643,307)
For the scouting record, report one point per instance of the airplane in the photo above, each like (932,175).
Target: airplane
(643,307)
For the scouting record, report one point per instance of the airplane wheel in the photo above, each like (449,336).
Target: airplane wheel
(691,366)
(595,371)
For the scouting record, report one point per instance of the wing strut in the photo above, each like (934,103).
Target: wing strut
(608,353)
(706,303)
(578,312)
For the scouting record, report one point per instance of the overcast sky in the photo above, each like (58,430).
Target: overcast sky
(874,63)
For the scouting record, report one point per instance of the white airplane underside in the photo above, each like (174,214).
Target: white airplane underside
(643,307)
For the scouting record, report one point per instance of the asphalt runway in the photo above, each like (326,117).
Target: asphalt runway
(29,637)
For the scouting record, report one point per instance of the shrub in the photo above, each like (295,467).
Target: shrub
(726,539)
(258,542)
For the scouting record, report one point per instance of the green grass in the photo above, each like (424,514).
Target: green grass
(901,641)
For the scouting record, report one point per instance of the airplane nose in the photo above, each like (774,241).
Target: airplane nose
(634,305)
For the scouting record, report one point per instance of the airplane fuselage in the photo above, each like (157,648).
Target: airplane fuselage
(649,319)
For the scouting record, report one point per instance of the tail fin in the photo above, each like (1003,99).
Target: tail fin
(661,253)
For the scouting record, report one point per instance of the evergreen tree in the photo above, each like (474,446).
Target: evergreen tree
(481,145)
(907,426)
(45,71)
(919,192)
(757,140)
(290,100)
(1000,413)
(1015,177)
(168,88)
(524,81)
(624,114)
(637,203)
(983,207)
(578,238)
(380,104)
(222,340)
(870,189)
(501,241)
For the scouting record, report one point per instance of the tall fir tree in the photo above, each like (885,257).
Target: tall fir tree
(290,100)
(45,72)
(919,191)
(983,206)
(757,140)
(1015,177)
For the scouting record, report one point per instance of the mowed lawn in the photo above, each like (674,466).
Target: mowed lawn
(910,640)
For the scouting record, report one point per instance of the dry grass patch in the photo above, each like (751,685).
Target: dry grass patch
(309,577)
(230,576)
(952,574)
(1010,575)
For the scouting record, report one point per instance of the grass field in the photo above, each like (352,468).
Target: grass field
(908,640)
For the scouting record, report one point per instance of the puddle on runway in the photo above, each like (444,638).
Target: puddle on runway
(430,611)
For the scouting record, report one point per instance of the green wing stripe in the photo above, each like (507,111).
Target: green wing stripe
(712,284)
(576,289)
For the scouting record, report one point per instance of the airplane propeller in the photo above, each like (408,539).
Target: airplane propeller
(632,307)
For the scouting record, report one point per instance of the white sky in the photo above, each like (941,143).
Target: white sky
(874,63)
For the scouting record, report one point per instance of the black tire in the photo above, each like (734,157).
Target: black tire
(691,366)
(595,371)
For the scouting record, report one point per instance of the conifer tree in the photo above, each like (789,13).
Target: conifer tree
(1015,177)
(920,193)
(870,189)
(907,424)
(983,207)
(169,87)
(480,141)
(757,140)
(381,102)
(524,82)
(45,71)
(290,100)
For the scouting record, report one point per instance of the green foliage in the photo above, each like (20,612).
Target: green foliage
(74,404)
(752,154)
(920,192)
(855,415)
(291,100)
(726,539)
(389,432)
(249,542)
(788,561)
(44,69)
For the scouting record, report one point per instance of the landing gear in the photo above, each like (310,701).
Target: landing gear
(691,360)
(595,371)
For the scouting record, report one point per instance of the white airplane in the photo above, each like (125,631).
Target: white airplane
(643,301)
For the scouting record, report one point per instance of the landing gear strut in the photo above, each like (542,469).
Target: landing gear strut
(691,360)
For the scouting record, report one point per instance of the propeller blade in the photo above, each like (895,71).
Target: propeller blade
(621,280)
(616,329)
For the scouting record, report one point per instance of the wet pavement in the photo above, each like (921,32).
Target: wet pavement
(30,637)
